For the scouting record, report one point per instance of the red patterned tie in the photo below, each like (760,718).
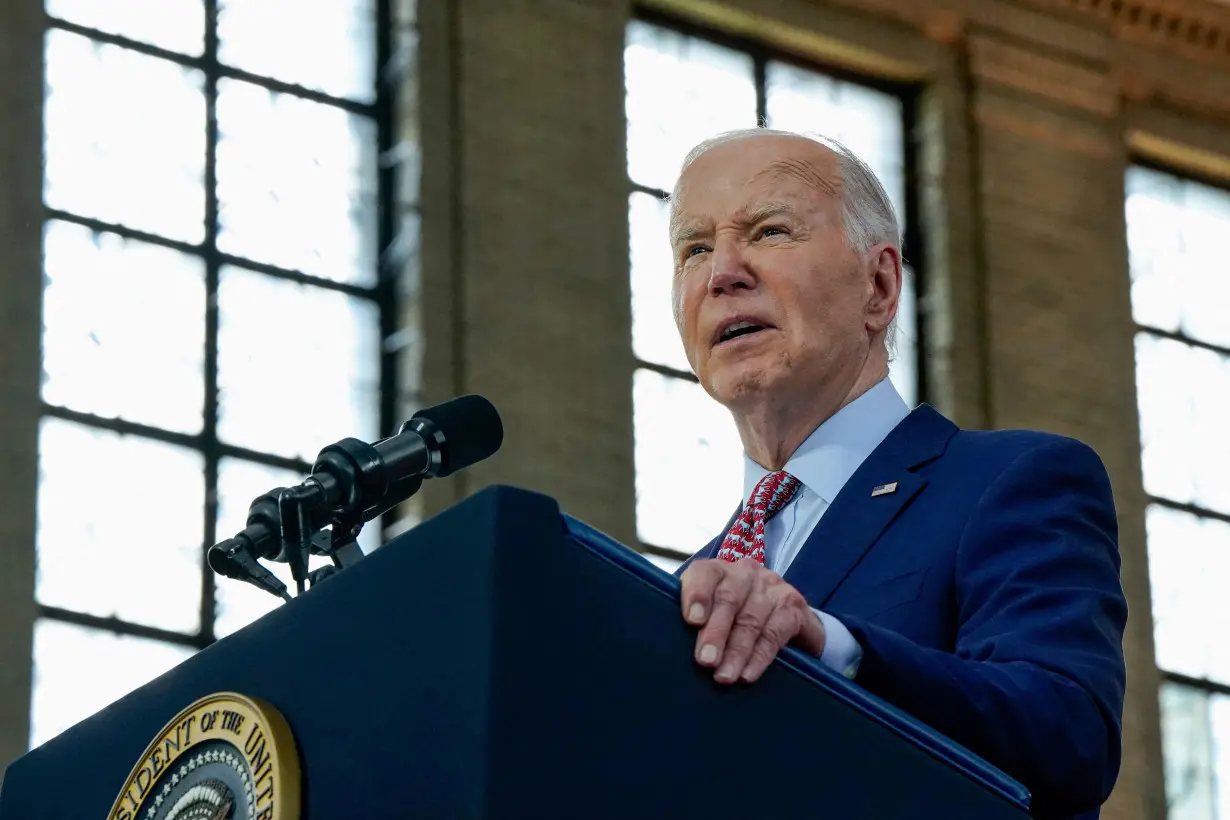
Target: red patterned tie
(746,536)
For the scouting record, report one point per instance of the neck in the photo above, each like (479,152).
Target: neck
(773,429)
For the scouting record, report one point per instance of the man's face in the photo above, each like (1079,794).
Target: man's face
(770,300)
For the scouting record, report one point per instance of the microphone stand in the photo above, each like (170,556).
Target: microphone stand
(297,518)
(351,483)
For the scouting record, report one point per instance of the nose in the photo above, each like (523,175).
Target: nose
(729,271)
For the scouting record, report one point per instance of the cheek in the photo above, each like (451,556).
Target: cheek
(684,306)
(822,318)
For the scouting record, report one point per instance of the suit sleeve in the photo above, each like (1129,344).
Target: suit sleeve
(1036,684)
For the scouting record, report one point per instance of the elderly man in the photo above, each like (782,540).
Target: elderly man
(969,578)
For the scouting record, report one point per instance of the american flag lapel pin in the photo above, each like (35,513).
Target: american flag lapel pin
(884,489)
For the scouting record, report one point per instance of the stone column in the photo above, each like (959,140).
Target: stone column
(1050,159)
(524,288)
(21,290)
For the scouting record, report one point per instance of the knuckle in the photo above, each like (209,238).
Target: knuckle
(746,567)
(775,635)
(739,644)
(791,598)
(763,652)
(778,631)
(696,570)
(750,621)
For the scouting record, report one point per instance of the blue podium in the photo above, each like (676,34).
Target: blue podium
(503,660)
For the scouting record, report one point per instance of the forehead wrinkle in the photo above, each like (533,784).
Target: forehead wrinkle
(750,215)
(682,229)
(804,172)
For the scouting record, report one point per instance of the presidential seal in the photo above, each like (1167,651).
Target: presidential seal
(225,757)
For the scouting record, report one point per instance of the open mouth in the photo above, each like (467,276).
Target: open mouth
(739,329)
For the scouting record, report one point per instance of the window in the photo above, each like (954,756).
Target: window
(682,88)
(213,310)
(1180,302)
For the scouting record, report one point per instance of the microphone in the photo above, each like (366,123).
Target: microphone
(353,480)
(236,557)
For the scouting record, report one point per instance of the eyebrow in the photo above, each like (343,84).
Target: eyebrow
(687,231)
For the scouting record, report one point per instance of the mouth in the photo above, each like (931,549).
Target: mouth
(739,327)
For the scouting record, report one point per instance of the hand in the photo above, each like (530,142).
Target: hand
(746,614)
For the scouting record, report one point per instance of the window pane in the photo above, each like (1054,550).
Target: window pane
(298,366)
(868,122)
(1196,752)
(679,430)
(654,335)
(98,323)
(681,90)
(332,49)
(125,137)
(176,25)
(1189,560)
(78,671)
(1184,398)
(1175,232)
(296,183)
(903,369)
(119,526)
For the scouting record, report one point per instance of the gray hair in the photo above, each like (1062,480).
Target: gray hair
(866,211)
(867,214)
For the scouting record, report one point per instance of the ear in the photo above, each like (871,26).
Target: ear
(884,287)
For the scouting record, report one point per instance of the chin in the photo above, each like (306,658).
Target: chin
(737,386)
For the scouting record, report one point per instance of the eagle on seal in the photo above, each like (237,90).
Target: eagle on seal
(207,800)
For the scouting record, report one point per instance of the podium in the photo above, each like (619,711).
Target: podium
(503,660)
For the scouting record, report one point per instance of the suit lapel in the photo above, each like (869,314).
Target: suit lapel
(856,518)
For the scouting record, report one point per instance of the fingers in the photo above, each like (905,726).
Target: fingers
(699,581)
(751,622)
(745,614)
(785,622)
(729,598)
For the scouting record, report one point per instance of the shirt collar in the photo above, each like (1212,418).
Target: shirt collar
(828,457)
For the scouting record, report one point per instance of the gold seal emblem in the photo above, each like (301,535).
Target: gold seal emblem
(225,757)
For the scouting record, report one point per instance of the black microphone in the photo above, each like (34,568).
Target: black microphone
(233,559)
(236,557)
(353,479)
(357,478)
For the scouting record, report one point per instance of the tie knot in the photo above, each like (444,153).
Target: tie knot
(773,493)
(746,538)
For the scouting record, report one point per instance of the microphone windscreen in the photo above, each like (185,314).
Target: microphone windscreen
(472,431)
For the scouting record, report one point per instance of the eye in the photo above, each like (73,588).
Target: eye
(689,252)
(772,230)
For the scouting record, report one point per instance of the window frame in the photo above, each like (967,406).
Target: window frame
(909,94)
(383,293)
(1137,160)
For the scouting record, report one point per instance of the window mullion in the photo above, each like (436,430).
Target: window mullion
(212,265)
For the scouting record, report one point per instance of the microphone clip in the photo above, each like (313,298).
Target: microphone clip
(234,559)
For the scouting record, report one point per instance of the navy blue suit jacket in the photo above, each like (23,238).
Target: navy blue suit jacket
(985,594)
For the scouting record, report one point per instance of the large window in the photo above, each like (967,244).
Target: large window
(683,87)
(1181,304)
(213,309)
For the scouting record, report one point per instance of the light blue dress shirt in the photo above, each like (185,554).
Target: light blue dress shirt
(823,464)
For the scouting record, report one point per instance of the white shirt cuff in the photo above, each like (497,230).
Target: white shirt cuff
(841,652)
